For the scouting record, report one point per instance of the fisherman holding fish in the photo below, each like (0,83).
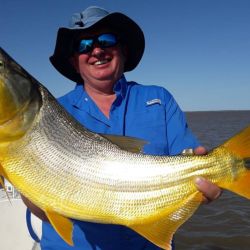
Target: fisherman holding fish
(95,52)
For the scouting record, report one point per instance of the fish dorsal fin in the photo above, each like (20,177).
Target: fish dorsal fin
(62,225)
(128,143)
(160,232)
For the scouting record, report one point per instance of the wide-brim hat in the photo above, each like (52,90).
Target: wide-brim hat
(92,18)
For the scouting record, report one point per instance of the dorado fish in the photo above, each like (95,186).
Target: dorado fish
(73,173)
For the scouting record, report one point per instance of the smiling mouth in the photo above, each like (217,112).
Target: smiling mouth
(100,62)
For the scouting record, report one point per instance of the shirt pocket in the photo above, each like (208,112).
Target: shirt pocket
(150,125)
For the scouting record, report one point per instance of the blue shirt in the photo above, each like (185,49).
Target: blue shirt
(146,112)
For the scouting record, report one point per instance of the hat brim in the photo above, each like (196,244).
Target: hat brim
(132,35)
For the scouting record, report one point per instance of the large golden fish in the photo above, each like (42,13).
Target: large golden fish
(70,172)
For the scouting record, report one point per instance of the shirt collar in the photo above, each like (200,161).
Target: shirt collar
(81,96)
(120,87)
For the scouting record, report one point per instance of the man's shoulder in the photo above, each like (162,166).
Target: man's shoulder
(66,98)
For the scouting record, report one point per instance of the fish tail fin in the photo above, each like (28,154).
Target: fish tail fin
(239,145)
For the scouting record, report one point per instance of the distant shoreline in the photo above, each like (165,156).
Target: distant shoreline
(210,111)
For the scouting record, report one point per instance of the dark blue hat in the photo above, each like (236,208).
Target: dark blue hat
(92,18)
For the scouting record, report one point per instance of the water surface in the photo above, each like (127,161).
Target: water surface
(225,223)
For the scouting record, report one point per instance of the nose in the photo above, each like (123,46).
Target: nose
(97,50)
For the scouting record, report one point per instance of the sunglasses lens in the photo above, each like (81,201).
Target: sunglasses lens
(107,40)
(85,45)
(104,41)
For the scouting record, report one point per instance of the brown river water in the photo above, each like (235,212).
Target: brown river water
(225,223)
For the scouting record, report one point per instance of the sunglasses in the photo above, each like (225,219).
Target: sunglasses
(104,41)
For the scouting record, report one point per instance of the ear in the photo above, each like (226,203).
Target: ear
(74,61)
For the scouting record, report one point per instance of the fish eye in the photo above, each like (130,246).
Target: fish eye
(1,64)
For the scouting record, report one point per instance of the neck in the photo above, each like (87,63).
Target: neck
(101,90)
(102,98)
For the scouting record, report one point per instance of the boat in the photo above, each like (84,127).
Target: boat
(13,229)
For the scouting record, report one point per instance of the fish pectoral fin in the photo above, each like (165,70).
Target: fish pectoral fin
(4,188)
(62,225)
(130,144)
(2,172)
(3,175)
(160,231)
(1,181)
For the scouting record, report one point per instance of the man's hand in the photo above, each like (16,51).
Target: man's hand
(209,190)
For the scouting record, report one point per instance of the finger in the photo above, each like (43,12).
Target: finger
(209,190)
(200,150)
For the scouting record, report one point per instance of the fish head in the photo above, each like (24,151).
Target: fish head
(20,99)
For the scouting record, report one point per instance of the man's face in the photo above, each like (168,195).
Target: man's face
(100,66)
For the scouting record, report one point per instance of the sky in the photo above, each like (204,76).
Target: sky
(199,50)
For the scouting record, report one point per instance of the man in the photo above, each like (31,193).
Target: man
(95,52)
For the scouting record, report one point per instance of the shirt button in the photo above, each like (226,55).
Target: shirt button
(86,99)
